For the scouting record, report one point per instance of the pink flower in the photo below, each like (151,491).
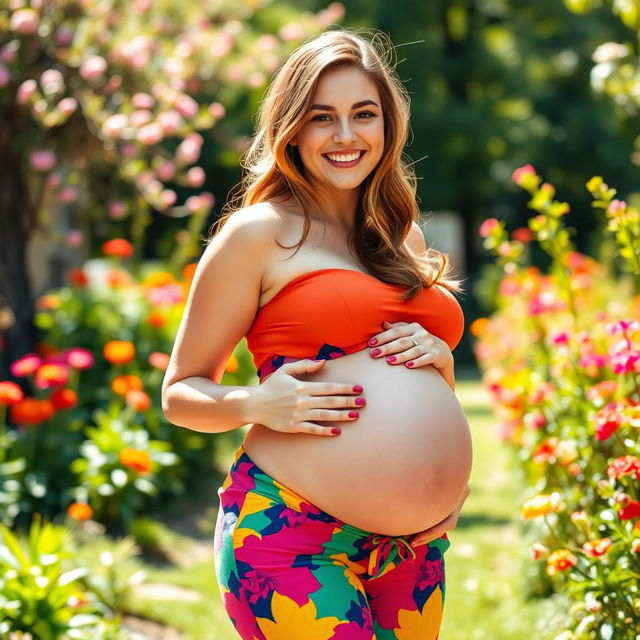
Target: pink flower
(67,106)
(5,75)
(187,106)
(117,209)
(140,117)
(142,101)
(560,338)
(113,126)
(168,198)
(216,110)
(26,91)
(93,67)
(25,22)
(624,466)
(170,121)
(63,35)
(68,194)
(521,172)
(607,420)
(42,160)
(73,238)
(196,176)
(487,227)
(166,170)
(150,134)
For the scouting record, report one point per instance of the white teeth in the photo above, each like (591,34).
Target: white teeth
(349,158)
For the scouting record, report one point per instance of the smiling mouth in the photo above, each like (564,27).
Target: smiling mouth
(344,160)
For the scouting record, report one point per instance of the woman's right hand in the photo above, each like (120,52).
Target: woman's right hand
(285,403)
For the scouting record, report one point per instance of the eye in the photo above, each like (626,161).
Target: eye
(367,113)
(360,113)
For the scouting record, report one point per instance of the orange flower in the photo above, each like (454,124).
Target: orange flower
(46,302)
(560,560)
(117,278)
(77,277)
(64,398)
(51,375)
(138,400)
(159,360)
(119,352)
(478,327)
(596,548)
(118,247)
(188,271)
(158,279)
(10,392)
(79,511)
(136,459)
(122,384)
(541,505)
(157,319)
(32,411)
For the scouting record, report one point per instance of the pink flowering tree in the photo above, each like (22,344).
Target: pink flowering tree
(105,107)
(561,360)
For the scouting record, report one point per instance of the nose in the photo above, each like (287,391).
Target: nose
(344,131)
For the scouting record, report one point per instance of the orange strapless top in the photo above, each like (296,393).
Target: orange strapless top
(329,313)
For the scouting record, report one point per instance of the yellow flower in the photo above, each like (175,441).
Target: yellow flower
(292,620)
(425,625)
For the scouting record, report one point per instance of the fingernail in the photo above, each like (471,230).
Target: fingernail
(409,364)
(373,341)
(357,389)
(353,414)
(375,352)
(391,359)
(336,431)
(360,401)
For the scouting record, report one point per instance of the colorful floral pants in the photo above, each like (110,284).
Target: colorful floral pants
(287,570)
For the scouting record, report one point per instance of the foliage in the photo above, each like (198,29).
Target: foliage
(561,357)
(93,439)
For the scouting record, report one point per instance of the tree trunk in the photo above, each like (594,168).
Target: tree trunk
(18,333)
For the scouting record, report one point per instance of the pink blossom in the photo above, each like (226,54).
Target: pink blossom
(53,180)
(559,338)
(142,101)
(67,106)
(187,106)
(117,209)
(169,294)
(73,238)
(196,176)
(114,125)
(331,14)
(291,31)
(616,207)
(488,226)
(25,366)
(188,151)
(140,117)
(625,362)
(25,22)
(8,52)
(150,134)
(42,160)
(170,121)
(168,198)
(216,110)
(207,198)
(26,91)
(166,170)
(79,358)
(63,35)
(93,67)
(256,79)
(68,194)
(52,81)
(522,172)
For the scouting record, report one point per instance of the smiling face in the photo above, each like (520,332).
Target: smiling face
(342,138)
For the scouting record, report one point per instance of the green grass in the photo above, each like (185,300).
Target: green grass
(485,580)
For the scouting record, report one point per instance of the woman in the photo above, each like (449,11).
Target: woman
(333,516)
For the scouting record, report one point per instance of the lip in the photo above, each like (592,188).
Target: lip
(345,165)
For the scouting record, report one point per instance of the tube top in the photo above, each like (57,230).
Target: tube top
(329,313)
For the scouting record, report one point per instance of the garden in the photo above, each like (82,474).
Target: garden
(122,125)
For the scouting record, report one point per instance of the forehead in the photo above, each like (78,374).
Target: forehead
(344,85)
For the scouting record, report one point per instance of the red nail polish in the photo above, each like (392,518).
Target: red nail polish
(360,402)
(336,431)
(357,389)
(391,359)
(375,352)
(373,341)
(353,414)
(409,364)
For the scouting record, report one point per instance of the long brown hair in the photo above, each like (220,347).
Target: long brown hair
(387,206)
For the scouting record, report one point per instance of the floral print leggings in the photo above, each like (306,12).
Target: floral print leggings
(288,570)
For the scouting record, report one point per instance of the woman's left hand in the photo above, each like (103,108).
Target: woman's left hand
(396,345)
(435,532)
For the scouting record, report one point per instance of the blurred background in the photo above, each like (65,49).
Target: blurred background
(121,129)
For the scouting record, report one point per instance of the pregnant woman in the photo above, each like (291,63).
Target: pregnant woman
(333,517)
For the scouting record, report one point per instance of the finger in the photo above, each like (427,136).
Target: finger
(331,415)
(318,430)
(332,389)
(302,366)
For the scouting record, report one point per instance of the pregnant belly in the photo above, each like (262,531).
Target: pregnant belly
(401,467)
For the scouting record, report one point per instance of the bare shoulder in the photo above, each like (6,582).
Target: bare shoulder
(258,221)
(415,239)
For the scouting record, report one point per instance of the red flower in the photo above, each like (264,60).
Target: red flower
(118,247)
(607,420)
(631,511)
(10,392)
(624,466)
(596,548)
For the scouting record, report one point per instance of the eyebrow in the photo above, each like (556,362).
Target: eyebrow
(328,107)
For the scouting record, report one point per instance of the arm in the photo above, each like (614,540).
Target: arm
(220,308)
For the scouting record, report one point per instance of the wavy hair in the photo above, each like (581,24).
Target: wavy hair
(387,205)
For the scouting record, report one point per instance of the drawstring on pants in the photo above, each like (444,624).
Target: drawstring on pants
(384,546)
